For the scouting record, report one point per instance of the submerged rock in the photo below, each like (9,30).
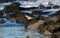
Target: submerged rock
(2,21)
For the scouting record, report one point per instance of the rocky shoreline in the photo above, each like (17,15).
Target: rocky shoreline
(46,26)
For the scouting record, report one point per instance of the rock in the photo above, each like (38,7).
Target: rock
(34,24)
(3,1)
(30,22)
(56,6)
(56,35)
(48,7)
(42,28)
(54,28)
(41,6)
(1,13)
(11,0)
(24,17)
(58,21)
(7,9)
(2,21)
(55,19)
(47,33)
(50,22)
(14,7)
(57,13)
(11,17)
(21,19)
(27,37)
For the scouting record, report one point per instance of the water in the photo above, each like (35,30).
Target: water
(10,30)
(17,32)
